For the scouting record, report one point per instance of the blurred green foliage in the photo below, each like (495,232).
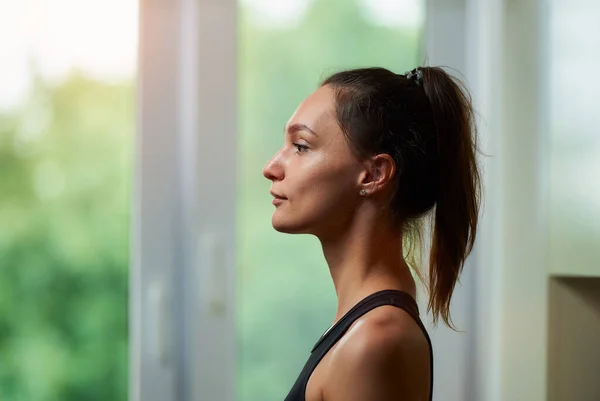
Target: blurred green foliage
(65,191)
(65,168)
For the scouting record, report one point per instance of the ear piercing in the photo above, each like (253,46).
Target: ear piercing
(363,192)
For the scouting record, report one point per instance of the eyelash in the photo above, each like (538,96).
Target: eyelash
(300,148)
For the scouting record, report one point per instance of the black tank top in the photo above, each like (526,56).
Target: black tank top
(396,298)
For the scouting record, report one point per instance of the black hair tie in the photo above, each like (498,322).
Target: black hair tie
(415,75)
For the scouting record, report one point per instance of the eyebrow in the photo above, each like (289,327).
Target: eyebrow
(300,127)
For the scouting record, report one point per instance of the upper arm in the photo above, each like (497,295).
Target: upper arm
(379,361)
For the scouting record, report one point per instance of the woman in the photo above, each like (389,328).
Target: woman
(366,157)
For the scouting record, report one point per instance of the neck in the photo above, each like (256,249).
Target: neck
(365,259)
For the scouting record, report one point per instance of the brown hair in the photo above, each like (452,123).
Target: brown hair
(424,121)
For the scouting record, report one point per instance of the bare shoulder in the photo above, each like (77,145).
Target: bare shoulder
(383,333)
(383,356)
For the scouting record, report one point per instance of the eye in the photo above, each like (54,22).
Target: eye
(300,148)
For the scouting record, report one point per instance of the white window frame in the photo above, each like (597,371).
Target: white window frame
(504,357)
(182,287)
(445,31)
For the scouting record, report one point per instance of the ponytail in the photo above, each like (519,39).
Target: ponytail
(424,120)
(459,192)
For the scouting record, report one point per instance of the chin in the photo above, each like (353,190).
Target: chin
(288,227)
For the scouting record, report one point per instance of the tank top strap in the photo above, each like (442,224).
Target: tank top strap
(396,298)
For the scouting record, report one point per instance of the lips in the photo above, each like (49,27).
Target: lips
(277,199)
(277,196)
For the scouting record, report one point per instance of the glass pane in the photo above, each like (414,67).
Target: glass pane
(286,298)
(66,132)
(574,136)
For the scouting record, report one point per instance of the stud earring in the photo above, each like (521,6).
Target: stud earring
(363,192)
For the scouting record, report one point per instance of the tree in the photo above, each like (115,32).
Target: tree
(65,161)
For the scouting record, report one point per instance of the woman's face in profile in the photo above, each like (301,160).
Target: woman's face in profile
(315,178)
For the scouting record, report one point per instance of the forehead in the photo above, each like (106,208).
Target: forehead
(317,110)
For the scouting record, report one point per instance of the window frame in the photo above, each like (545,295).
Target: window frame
(182,286)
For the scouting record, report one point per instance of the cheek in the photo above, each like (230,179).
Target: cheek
(325,181)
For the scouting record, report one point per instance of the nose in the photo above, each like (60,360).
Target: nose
(273,170)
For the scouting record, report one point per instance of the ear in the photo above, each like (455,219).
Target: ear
(378,174)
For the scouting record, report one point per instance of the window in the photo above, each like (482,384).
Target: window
(574,180)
